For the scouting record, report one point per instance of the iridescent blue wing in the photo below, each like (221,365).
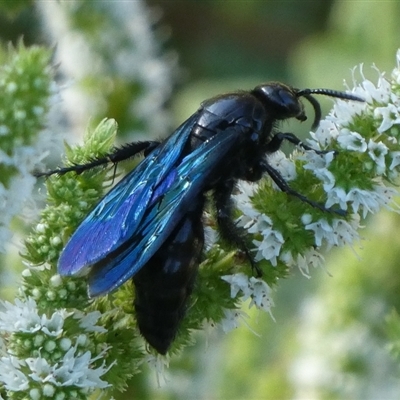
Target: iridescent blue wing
(177,192)
(116,218)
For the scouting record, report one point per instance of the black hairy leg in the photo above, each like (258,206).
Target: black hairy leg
(117,155)
(227,227)
(283,185)
(276,143)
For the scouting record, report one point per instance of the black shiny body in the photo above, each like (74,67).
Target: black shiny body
(227,139)
(164,285)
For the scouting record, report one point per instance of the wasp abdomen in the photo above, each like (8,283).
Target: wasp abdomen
(164,286)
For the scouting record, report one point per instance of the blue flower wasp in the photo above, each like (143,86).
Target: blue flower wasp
(149,227)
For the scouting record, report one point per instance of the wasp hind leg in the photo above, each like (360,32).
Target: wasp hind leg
(117,155)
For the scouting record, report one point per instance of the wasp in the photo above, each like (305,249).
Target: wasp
(149,227)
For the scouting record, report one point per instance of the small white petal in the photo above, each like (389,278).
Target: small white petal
(338,196)
(338,234)
(389,114)
(395,156)
(88,321)
(261,295)
(239,282)
(326,132)
(231,319)
(283,164)
(352,141)
(11,375)
(377,152)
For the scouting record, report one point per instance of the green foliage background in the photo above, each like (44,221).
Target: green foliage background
(225,45)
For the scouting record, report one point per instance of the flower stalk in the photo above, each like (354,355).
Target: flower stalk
(64,345)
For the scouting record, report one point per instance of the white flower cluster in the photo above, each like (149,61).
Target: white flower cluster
(123,45)
(255,222)
(14,197)
(355,179)
(38,376)
(249,288)
(379,144)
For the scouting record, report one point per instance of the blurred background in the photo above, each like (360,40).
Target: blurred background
(149,65)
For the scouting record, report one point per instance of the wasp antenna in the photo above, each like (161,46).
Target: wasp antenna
(329,92)
(307,94)
(317,110)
